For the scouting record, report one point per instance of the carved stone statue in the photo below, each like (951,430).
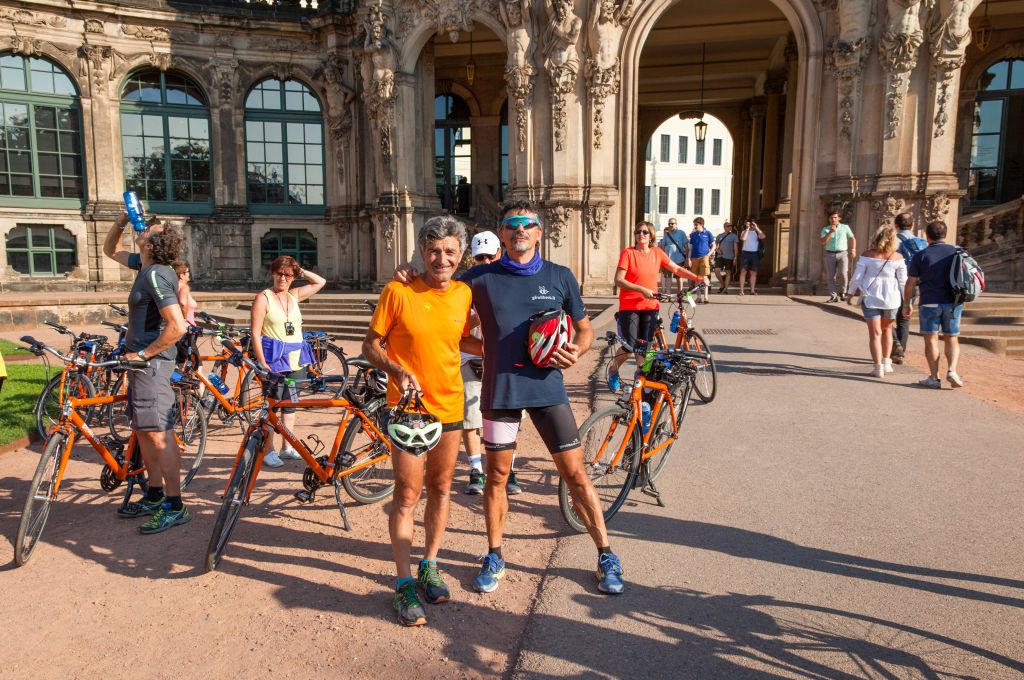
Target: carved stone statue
(380,59)
(898,52)
(602,67)
(519,70)
(949,37)
(339,97)
(561,60)
(846,55)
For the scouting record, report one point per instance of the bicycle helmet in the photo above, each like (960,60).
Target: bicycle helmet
(549,331)
(411,428)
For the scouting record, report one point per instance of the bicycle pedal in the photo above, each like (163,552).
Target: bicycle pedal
(304,496)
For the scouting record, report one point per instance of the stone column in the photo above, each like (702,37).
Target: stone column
(773,89)
(756,158)
(786,170)
(486,169)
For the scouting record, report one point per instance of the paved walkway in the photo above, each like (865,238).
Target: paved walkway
(820,523)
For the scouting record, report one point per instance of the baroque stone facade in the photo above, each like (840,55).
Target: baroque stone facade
(870,125)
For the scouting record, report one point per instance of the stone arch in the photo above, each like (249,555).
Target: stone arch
(466,95)
(412,46)
(495,105)
(295,73)
(970,76)
(809,37)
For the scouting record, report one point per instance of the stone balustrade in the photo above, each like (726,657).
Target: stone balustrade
(992,226)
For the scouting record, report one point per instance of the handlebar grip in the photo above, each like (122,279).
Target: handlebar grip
(690,354)
(29,340)
(135,364)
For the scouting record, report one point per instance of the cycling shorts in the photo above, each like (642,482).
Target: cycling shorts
(556,425)
(637,325)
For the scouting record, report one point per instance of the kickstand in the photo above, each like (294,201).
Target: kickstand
(648,487)
(341,506)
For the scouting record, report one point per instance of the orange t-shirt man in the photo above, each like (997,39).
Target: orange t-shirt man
(642,268)
(422,327)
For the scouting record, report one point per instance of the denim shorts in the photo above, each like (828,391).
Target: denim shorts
(875,313)
(944,316)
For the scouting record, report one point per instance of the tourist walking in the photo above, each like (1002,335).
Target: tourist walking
(909,246)
(674,242)
(879,277)
(750,253)
(929,270)
(637,279)
(698,256)
(424,324)
(838,240)
(727,247)
(276,323)
(155,324)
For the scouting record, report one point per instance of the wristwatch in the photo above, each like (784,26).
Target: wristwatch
(142,355)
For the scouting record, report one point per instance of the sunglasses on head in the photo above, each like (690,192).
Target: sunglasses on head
(516,221)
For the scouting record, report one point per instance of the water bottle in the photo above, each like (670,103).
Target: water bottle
(135,214)
(645,415)
(648,361)
(218,383)
(175,376)
(674,324)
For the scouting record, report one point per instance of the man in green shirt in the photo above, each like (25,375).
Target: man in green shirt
(838,239)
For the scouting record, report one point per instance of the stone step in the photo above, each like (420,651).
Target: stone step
(993,330)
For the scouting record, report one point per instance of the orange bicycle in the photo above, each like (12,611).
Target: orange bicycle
(123,462)
(356,460)
(621,443)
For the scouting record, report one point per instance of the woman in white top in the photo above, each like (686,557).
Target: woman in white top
(880,275)
(750,260)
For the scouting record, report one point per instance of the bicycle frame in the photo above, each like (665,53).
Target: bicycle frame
(634,400)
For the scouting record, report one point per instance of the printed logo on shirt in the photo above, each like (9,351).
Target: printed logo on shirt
(543,294)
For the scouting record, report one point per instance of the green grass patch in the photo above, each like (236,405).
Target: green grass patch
(7,348)
(18,396)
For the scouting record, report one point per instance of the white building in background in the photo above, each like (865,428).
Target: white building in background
(685,179)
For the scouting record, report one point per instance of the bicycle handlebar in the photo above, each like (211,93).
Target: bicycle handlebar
(120,310)
(38,348)
(270,377)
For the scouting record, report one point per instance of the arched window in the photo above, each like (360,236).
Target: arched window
(40,134)
(165,138)
(997,149)
(298,243)
(41,250)
(284,148)
(503,161)
(452,153)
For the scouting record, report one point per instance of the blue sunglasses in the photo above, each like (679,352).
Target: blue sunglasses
(516,221)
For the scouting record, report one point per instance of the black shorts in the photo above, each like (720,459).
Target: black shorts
(556,425)
(637,325)
(726,264)
(285,392)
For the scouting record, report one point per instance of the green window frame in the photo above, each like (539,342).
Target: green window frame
(994,173)
(298,243)
(284,149)
(165,142)
(40,135)
(41,250)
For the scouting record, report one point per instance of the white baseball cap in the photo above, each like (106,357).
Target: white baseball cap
(485,243)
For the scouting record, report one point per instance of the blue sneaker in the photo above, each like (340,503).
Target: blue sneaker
(609,573)
(490,573)
(614,382)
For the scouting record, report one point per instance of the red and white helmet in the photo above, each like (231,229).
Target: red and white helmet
(549,332)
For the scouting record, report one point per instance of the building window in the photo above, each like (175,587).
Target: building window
(453,154)
(700,153)
(681,201)
(997,149)
(666,143)
(698,198)
(647,199)
(663,199)
(503,188)
(648,155)
(684,144)
(716,152)
(298,243)
(41,250)
(165,139)
(40,134)
(716,201)
(284,148)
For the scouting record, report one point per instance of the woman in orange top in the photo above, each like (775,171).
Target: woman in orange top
(637,279)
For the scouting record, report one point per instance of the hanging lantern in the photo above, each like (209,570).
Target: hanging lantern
(471,64)
(983,31)
(700,130)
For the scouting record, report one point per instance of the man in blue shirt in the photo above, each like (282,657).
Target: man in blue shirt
(699,253)
(929,268)
(674,244)
(909,246)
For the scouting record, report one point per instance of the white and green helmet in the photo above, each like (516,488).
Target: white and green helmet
(411,428)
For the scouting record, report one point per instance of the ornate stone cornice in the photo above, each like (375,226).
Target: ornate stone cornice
(26,17)
(150,33)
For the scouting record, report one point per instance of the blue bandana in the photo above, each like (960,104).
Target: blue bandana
(528,269)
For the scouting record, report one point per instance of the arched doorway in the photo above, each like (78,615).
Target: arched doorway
(996,172)
(453,143)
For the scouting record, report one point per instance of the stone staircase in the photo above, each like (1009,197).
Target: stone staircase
(995,237)
(346,315)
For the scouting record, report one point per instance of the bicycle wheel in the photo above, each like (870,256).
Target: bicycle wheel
(661,431)
(706,381)
(250,396)
(40,495)
(117,412)
(190,432)
(50,401)
(375,482)
(329,362)
(601,436)
(234,499)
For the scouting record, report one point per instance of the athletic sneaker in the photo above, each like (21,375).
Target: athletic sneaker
(878,371)
(476,483)
(897,353)
(289,453)
(490,573)
(614,382)
(140,508)
(887,365)
(512,485)
(407,604)
(834,297)
(609,574)
(954,379)
(434,589)
(272,459)
(934,383)
(165,518)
